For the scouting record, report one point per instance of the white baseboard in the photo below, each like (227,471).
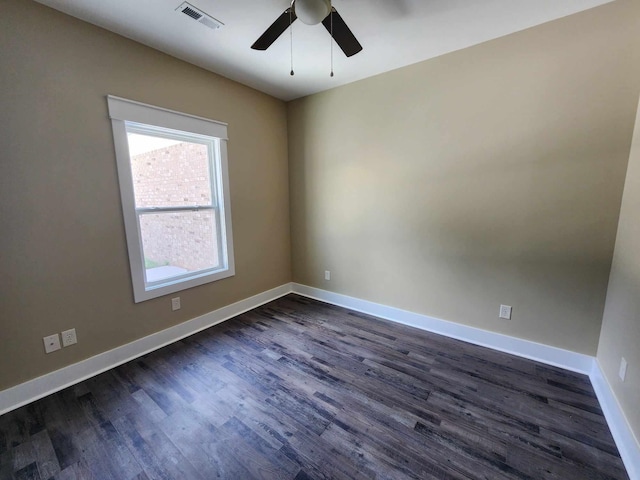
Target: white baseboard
(626,442)
(620,429)
(40,387)
(557,357)
(628,445)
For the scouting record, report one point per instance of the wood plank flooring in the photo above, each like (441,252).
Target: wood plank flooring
(298,389)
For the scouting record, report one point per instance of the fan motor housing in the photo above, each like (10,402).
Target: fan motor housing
(312,12)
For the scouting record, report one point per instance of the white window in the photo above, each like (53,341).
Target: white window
(174,186)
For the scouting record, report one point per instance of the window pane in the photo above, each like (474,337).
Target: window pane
(169,172)
(176,243)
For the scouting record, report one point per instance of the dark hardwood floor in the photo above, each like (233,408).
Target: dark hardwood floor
(298,389)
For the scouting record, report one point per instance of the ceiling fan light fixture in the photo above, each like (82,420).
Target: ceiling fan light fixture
(312,12)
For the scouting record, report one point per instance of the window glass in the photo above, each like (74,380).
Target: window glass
(176,243)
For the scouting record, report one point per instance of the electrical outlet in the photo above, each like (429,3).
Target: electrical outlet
(327,275)
(69,337)
(505,312)
(175,304)
(51,343)
(622,373)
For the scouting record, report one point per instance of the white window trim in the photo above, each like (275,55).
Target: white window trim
(122,110)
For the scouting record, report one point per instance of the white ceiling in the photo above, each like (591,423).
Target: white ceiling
(394,33)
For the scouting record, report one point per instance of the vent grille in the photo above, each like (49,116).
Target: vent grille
(191,12)
(214,24)
(198,15)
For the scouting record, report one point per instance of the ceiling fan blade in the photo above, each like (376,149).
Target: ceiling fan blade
(276,29)
(342,34)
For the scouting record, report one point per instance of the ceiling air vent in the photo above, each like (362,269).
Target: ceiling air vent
(199,15)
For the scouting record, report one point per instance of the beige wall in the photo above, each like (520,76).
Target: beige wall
(620,335)
(491,175)
(63,259)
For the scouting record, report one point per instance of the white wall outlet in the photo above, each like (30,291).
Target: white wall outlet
(505,312)
(622,373)
(175,303)
(69,337)
(51,343)
(327,275)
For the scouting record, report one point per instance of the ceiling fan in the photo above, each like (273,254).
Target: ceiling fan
(311,12)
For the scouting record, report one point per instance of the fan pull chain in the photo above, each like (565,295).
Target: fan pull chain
(291,37)
(331,40)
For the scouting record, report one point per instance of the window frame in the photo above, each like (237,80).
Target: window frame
(123,112)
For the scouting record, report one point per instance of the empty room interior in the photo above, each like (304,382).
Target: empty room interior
(410,251)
